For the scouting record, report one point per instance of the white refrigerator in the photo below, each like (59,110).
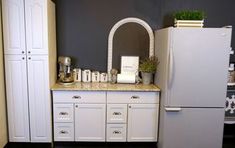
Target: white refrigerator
(192,76)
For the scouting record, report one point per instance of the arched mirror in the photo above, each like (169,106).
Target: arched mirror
(129,37)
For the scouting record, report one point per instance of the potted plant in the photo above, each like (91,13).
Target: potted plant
(189,18)
(147,68)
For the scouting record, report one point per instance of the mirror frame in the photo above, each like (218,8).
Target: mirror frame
(120,23)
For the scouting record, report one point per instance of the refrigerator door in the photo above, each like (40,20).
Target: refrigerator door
(192,128)
(198,67)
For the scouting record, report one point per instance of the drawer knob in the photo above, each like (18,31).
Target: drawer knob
(135,97)
(63,113)
(117,113)
(117,132)
(76,97)
(63,132)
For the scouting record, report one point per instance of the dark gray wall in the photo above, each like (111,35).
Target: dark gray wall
(83,25)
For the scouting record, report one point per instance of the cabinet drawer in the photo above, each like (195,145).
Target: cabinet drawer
(63,132)
(133,97)
(63,112)
(116,113)
(116,132)
(79,96)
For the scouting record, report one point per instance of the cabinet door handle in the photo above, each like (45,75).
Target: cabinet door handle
(76,97)
(169,109)
(63,113)
(117,132)
(29,58)
(22,52)
(23,58)
(63,132)
(117,113)
(135,97)
(29,52)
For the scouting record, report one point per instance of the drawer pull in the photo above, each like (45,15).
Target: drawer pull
(76,97)
(117,113)
(63,132)
(63,113)
(117,132)
(135,97)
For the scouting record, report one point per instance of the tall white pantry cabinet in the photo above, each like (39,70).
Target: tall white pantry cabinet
(30,67)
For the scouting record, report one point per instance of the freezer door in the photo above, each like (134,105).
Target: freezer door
(198,67)
(192,128)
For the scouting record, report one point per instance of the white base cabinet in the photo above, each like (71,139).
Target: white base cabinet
(79,115)
(105,116)
(137,112)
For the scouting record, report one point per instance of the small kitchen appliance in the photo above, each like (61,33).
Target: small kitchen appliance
(65,75)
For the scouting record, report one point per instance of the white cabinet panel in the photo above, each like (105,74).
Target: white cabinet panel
(133,97)
(25,26)
(142,122)
(90,122)
(63,112)
(79,96)
(36,26)
(14,26)
(17,98)
(63,132)
(116,132)
(116,113)
(39,99)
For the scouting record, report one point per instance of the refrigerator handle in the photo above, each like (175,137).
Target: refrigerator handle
(170,76)
(172,109)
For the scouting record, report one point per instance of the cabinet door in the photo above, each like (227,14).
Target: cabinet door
(142,122)
(36,26)
(191,128)
(17,98)
(13,26)
(90,122)
(39,99)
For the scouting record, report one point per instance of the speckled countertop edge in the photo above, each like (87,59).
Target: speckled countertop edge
(105,87)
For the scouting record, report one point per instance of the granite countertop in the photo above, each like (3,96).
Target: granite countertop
(105,87)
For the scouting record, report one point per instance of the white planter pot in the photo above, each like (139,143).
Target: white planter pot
(189,23)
